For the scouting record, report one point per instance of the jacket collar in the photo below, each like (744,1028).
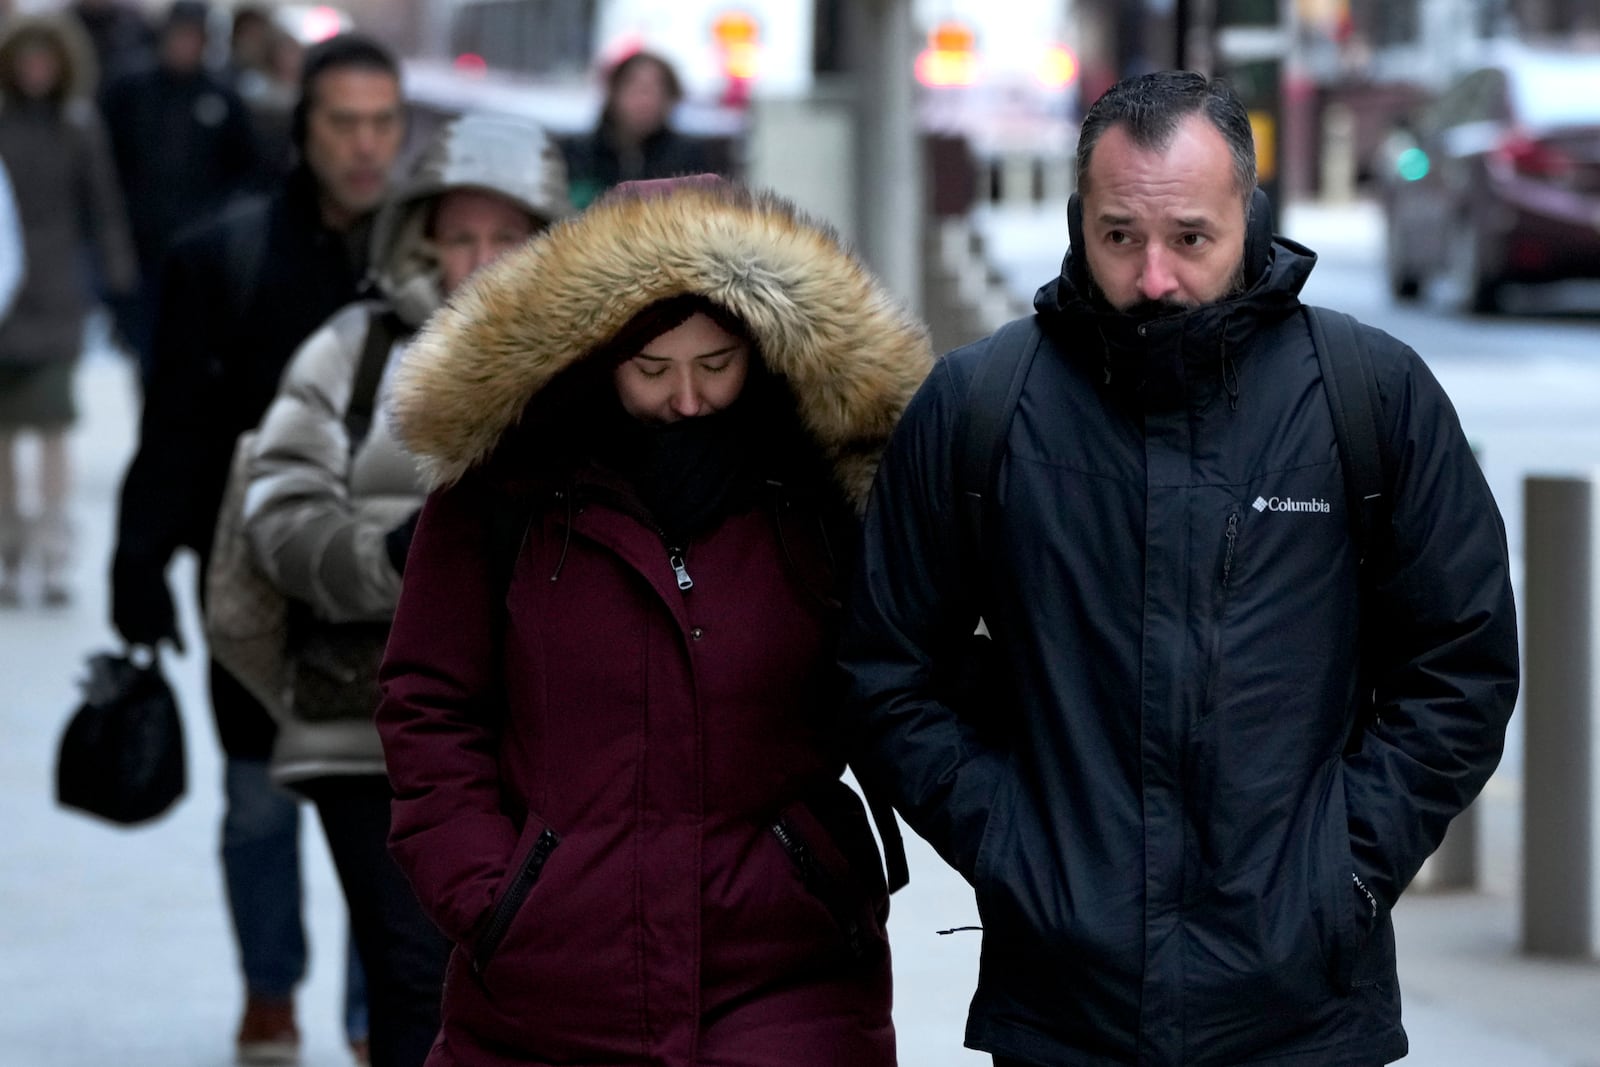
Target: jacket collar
(1176,359)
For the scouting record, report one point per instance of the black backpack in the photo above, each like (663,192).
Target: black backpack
(1347,380)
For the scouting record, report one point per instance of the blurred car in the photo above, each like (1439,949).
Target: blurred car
(1499,179)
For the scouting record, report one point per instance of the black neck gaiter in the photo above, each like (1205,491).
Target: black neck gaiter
(685,472)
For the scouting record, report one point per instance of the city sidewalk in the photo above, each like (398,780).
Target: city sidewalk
(116,948)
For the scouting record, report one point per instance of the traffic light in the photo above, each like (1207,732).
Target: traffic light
(951,58)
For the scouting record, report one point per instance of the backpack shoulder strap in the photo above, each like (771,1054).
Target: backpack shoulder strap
(1351,386)
(991,401)
(384,328)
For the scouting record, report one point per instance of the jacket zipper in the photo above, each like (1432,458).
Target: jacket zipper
(675,559)
(506,910)
(1227,555)
(1231,544)
(822,886)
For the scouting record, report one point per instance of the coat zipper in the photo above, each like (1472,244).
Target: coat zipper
(675,559)
(1227,555)
(676,556)
(511,903)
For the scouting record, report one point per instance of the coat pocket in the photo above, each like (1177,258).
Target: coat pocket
(823,839)
(1335,894)
(523,879)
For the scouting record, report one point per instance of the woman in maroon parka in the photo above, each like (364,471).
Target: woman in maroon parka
(608,696)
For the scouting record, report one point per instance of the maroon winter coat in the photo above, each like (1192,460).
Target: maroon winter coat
(621,798)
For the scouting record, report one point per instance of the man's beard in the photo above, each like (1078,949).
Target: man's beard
(1146,310)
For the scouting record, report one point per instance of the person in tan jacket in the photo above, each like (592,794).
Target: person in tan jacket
(329,512)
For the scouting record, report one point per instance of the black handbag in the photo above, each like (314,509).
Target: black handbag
(122,755)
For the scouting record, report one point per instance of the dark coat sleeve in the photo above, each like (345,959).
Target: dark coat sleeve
(440,713)
(163,504)
(1444,640)
(910,611)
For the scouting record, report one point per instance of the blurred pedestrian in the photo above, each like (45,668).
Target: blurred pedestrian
(634,139)
(250,31)
(183,144)
(54,148)
(122,38)
(269,93)
(331,506)
(240,294)
(1236,693)
(609,705)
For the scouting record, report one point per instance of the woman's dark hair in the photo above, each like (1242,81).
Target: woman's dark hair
(622,68)
(1151,107)
(36,36)
(669,314)
(347,51)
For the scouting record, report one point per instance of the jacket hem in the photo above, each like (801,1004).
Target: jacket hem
(1367,1050)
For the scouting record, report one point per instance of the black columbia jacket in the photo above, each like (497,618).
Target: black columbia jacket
(1189,801)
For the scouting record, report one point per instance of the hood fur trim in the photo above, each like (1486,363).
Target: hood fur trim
(849,352)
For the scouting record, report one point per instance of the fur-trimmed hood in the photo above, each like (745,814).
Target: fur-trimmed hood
(848,351)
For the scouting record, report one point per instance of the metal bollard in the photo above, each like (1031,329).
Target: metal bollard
(1561,756)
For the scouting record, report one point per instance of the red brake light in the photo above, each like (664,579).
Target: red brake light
(1533,159)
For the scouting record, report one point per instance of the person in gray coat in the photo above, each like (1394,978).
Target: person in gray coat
(329,513)
(55,149)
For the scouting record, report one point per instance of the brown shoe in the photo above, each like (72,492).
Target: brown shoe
(268,1036)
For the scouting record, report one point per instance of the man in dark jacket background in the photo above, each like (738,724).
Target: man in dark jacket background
(183,143)
(1215,746)
(241,291)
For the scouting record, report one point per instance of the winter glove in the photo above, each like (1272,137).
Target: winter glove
(397,542)
(141,605)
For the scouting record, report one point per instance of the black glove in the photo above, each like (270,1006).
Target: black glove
(397,542)
(141,604)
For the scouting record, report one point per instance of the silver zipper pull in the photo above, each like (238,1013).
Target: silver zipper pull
(675,558)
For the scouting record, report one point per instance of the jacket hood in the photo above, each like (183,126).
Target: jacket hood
(504,156)
(80,72)
(849,353)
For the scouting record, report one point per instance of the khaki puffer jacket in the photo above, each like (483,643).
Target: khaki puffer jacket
(317,511)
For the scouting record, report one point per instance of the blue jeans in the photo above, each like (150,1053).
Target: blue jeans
(261,865)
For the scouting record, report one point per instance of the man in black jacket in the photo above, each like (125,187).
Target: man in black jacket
(1215,745)
(241,291)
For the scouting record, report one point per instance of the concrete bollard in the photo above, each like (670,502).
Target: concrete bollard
(1561,755)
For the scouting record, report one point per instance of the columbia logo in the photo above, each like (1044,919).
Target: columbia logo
(1284,503)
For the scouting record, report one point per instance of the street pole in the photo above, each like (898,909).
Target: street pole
(1251,45)
(889,175)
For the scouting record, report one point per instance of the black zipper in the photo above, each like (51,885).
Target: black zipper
(509,904)
(1233,540)
(823,886)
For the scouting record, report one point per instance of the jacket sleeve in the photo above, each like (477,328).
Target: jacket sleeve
(440,712)
(315,541)
(1445,667)
(908,613)
(163,502)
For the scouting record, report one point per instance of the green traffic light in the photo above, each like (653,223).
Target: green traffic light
(1412,164)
